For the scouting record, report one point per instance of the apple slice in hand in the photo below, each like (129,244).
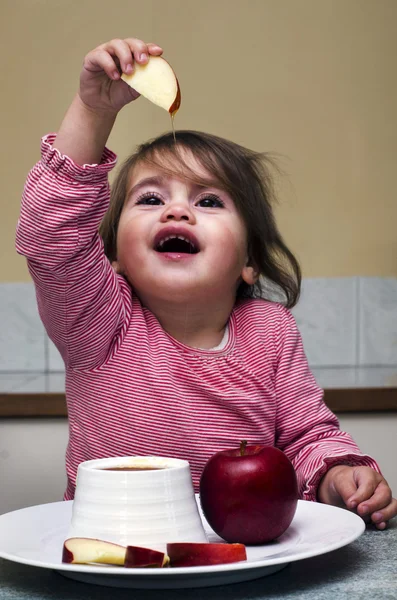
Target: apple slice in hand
(87,550)
(137,557)
(157,82)
(186,554)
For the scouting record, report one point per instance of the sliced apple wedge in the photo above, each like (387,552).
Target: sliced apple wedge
(157,82)
(186,554)
(145,557)
(88,550)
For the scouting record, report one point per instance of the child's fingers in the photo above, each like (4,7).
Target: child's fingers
(377,501)
(138,49)
(126,51)
(362,494)
(100,60)
(110,55)
(133,49)
(367,481)
(119,52)
(346,489)
(154,49)
(382,515)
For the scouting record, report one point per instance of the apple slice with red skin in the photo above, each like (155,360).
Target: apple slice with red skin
(192,554)
(157,82)
(180,554)
(137,557)
(88,550)
(249,494)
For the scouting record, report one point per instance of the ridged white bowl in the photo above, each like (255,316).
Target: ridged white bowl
(138,508)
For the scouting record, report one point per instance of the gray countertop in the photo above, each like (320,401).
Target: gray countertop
(326,377)
(367,568)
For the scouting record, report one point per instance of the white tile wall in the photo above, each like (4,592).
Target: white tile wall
(13,382)
(33,383)
(55,360)
(377,321)
(22,335)
(344,322)
(326,316)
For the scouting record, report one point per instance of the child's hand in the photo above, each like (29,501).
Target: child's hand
(359,488)
(101,88)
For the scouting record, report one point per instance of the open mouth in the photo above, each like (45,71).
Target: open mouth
(177,244)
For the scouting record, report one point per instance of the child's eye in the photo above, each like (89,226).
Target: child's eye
(149,199)
(210,201)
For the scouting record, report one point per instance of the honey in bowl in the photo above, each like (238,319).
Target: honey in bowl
(132,468)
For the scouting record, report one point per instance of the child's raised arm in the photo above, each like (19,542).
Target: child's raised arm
(82,303)
(102,94)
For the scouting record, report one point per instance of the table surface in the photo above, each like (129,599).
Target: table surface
(367,568)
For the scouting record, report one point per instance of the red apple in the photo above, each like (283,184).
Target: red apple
(145,557)
(190,554)
(87,550)
(249,495)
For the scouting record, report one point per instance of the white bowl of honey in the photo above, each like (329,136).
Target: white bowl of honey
(143,501)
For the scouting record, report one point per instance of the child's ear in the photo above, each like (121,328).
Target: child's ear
(249,274)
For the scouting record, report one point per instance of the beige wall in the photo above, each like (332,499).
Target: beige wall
(313,80)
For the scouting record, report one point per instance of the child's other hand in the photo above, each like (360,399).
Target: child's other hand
(361,489)
(101,88)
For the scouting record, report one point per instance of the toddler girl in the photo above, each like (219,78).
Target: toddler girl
(169,345)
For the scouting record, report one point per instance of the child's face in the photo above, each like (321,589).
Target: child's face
(207,263)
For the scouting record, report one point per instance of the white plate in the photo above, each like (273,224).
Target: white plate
(35,535)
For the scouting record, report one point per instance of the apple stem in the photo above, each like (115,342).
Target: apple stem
(243,445)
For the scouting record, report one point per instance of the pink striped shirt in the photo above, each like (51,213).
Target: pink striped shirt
(133,389)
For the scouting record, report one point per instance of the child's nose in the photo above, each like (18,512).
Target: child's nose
(178,211)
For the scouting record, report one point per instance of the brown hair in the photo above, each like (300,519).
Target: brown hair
(246,176)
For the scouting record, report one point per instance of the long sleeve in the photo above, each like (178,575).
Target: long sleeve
(80,298)
(306,430)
